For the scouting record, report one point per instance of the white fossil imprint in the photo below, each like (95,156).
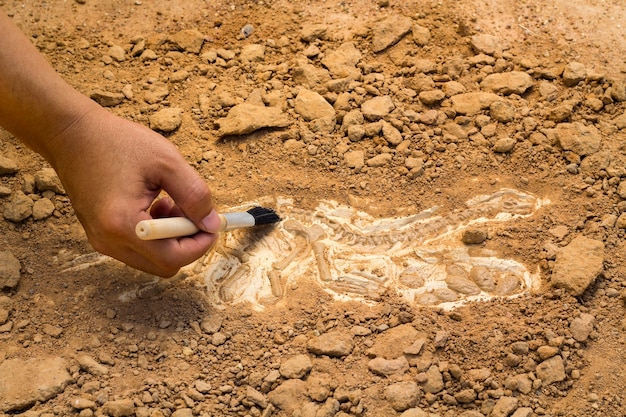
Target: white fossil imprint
(355,256)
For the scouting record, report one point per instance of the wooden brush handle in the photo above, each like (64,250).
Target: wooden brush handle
(168,227)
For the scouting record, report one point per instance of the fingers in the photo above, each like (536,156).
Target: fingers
(192,195)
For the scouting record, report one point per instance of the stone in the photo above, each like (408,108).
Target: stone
(578,138)
(582,326)
(434,380)
(256,397)
(189,40)
(573,73)
(504,145)
(252,53)
(156,94)
(472,103)
(342,62)
(7,166)
(414,412)
(379,160)
(431,97)
(311,32)
(504,407)
(90,365)
(388,367)
(334,344)
(391,134)
(391,343)
(117,53)
(485,43)
(289,395)
(502,111)
(107,98)
(421,35)
(551,370)
(578,264)
(43,208)
(355,159)
(389,31)
(9,270)
(247,118)
(18,208)
(403,395)
(47,179)
(19,389)
(514,82)
(296,367)
(377,107)
(166,120)
(119,408)
(311,105)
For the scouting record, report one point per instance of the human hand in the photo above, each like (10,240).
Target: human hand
(113,169)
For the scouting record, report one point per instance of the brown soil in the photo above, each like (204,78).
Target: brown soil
(145,338)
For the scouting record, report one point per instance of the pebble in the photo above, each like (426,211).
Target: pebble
(18,208)
(296,367)
(388,367)
(47,179)
(8,166)
(333,344)
(9,270)
(376,108)
(166,120)
(246,118)
(18,388)
(578,264)
(551,370)
(582,326)
(389,31)
(403,395)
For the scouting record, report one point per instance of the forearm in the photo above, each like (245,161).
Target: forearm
(36,104)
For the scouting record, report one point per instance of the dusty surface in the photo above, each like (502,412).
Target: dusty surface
(171,351)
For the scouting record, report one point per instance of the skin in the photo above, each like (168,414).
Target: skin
(112,169)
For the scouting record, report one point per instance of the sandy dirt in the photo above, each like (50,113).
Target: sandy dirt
(171,351)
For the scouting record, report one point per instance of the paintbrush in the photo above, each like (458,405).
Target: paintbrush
(181,226)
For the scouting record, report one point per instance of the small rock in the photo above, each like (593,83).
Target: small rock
(355,159)
(311,105)
(119,408)
(391,343)
(289,396)
(18,208)
(474,236)
(485,44)
(504,407)
(379,160)
(403,395)
(90,365)
(47,179)
(43,208)
(504,145)
(252,53)
(472,103)
(51,330)
(156,94)
(333,344)
(389,31)
(551,370)
(19,388)
(189,40)
(514,82)
(246,118)
(574,73)
(377,107)
(7,166)
(578,264)
(256,397)
(388,367)
(117,53)
(296,367)
(581,327)
(9,270)
(415,412)
(83,403)
(166,120)
(434,380)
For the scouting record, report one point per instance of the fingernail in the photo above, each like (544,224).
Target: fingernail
(211,223)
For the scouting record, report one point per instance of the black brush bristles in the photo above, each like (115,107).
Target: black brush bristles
(264,215)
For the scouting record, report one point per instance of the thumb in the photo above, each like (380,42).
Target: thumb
(193,196)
